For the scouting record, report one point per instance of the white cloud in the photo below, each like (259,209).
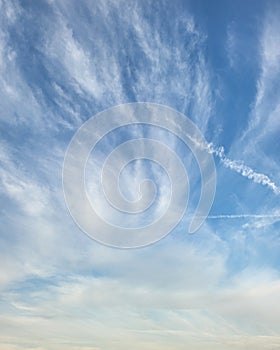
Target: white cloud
(258,139)
(64,291)
(80,312)
(32,197)
(267,102)
(97,68)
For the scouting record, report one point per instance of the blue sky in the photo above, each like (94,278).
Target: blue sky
(218,62)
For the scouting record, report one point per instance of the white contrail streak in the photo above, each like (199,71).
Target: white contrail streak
(238,166)
(243,169)
(241,216)
(244,216)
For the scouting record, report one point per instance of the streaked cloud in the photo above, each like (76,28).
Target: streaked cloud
(62,63)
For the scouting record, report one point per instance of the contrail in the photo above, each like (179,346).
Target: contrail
(243,216)
(238,166)
(240,216)
(243,169)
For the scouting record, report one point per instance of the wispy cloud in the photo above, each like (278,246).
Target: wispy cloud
(59,290)
(257,139)
(177,314)
(106,74)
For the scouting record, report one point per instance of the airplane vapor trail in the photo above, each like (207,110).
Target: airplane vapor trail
(243,169)
(243,216)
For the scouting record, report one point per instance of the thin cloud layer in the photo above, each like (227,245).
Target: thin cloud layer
(63,62)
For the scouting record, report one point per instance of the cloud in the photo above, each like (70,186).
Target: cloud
(60,290)
(80,310)
(256,141)
(90,72)
(101,71)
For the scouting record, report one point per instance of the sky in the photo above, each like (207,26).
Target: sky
(218,63)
